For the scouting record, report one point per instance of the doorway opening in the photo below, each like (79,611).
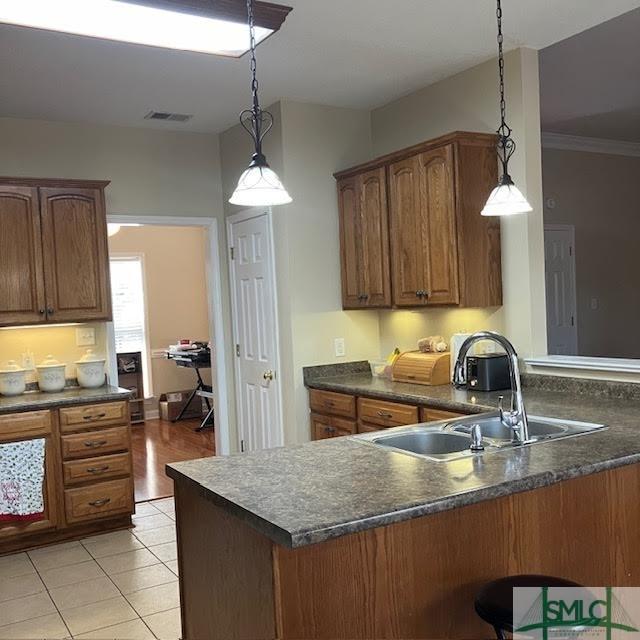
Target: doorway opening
(165,343)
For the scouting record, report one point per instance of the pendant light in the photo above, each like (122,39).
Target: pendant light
(259,185)
(506,199)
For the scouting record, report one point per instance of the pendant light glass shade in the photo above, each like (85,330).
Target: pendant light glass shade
(259,186)
(506,200)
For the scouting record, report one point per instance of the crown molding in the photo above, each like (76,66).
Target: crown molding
(589,145)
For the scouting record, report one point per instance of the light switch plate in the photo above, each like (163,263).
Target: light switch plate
(85,337)
(339,348)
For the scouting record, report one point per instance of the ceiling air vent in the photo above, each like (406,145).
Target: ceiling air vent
(168,117)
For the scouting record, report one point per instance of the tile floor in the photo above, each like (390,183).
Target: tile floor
(115,586)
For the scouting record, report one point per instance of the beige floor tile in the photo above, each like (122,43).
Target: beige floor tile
(76,595)
(71,574)
(132,630)
(166,552)
(155,599)
(173,565)
(128,561)
(58,556)
(157,536)
(20,586)
(50,627)
(33,606)
(17,564)
(144,523)
(143,578)
(165,625)
(146,509)
(111,544)
(166,505)
(98,615)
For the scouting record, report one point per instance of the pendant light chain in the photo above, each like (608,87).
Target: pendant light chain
(254,64)
(506,144)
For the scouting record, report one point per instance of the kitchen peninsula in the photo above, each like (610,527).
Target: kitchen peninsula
(344,539)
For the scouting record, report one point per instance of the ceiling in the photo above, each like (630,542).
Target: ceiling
(355,53)
(589,83)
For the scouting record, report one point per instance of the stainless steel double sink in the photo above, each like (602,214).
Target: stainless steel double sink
(451,440)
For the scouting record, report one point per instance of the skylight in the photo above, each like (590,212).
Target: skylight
(134,23)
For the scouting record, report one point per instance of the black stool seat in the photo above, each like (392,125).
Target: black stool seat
(494,602)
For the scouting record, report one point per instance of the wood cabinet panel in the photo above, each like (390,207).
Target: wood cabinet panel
(364,240)
(100,500)
(31,424)
(329,402)
(93,415)
(100,468)
(386,414)
(22,298)
(433,415)
(323,427)
(95,443)
(75,253)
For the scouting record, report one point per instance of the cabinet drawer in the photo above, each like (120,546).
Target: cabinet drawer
(323,427)
(433,415)
(339,404)
(25,425)
(98,500)
(95,443)
(365,427)
(386,414)
(93,415)
(99,468)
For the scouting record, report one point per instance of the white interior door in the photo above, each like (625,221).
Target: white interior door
(560,270)
(255,326)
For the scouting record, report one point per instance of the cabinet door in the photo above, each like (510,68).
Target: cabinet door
(351,253)
(440,247)
(74,231)
(375,238)
(407,232)
(21,272)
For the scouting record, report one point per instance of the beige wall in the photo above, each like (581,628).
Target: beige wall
(58,341)
(469,101)
(598,194)
(176,293)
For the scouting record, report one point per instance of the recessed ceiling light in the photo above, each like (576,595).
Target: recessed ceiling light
(141,24)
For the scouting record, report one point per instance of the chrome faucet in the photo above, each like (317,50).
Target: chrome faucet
(516,418)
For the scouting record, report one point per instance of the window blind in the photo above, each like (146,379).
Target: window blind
(127,292)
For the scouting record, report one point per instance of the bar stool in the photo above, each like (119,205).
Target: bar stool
(494,602)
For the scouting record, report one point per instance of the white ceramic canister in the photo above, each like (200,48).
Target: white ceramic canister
(90,370)
(51,375)
(12,379)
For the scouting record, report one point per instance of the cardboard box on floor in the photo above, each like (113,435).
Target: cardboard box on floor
(171,405)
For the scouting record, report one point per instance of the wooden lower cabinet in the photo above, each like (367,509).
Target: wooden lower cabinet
(427,414)
(324,427)
(383,414)
(88,484)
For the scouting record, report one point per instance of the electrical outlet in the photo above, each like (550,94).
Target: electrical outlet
(594,304)
(85,337)
(339,348)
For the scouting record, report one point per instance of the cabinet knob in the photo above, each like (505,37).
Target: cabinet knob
(50,311)
(419,293)
(42,311)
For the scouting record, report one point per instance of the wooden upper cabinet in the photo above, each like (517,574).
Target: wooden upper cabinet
(75,254)
(54,264)
(364,240)
(21,272)
(442,251)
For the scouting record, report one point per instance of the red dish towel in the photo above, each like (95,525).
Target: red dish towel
(21,480)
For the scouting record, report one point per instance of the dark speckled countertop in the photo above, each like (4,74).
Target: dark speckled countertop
(313,492)
(37,400)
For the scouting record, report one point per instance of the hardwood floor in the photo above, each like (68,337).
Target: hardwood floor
(156,443)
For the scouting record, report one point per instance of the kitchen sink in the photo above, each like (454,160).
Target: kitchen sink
(451,440)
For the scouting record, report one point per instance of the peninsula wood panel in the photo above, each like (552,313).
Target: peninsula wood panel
(21,268)
(74,232)
(413,579)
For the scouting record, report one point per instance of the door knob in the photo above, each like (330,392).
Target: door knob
(268,375)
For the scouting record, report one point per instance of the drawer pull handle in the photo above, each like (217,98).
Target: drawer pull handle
(385,414)
(328,403)
(96,417)
(100,503)
(330,429)
(92,444)
(98,469)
